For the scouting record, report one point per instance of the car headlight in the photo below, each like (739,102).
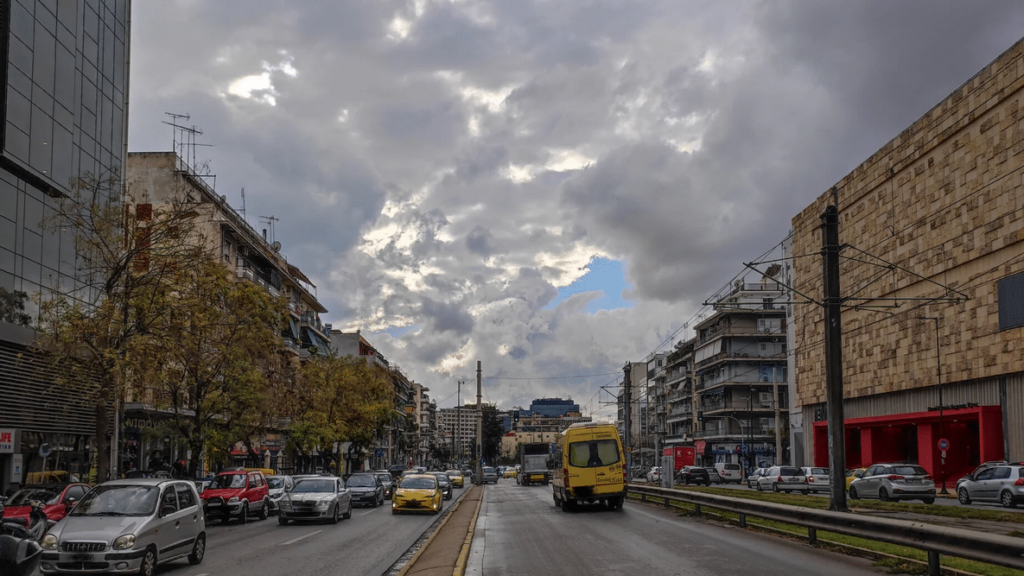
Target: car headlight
(323,504)
(124,542)
(49,542)
(233,499)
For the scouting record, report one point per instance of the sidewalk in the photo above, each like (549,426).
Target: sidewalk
(444,554)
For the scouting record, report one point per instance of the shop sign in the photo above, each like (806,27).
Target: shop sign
(7,440)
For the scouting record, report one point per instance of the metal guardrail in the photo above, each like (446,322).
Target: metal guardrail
(995,549)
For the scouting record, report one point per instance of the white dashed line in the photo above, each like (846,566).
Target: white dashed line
(293,541)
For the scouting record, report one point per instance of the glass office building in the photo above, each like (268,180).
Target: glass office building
(64,105)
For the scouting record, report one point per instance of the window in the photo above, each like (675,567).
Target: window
(1011,302)
(593,453)
(168,500)
(186,499)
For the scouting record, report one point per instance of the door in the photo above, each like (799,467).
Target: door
(167,535)
(192,522)
(870,483)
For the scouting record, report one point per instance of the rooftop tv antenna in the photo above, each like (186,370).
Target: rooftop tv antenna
(183,143)
(269,220)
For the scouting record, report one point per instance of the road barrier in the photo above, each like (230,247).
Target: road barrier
(935,540)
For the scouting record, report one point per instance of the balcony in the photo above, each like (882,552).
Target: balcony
(678,438)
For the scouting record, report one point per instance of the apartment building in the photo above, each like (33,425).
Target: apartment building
(459,426)
(740,376)
(65,115)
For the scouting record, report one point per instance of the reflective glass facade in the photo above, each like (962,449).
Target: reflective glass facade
(64,115)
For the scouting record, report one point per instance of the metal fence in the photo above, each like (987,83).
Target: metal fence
(935,540)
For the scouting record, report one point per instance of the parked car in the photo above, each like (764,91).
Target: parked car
(784,479)
(693,475)
(149,474)
(237,493)
(753,476)
(713,475)
(417,493)
(654,474)
(980,468)
(387,481)
(57,500)
(818,479)
(458,480)
(366,488)
(323,498)
(278,486)
(894,482)
(445,482)
(854,473)
(730,472)
(1002,484)
(488,475)
(131,524)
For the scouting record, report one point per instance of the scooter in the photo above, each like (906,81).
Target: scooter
(20,551)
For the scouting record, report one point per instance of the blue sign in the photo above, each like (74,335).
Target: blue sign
(943,444)
(378,453)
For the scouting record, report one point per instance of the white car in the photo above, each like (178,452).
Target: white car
(322,498)
(128,525)
(654,474)
(279,485)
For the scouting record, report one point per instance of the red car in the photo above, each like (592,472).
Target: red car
(237,494)
(57,499)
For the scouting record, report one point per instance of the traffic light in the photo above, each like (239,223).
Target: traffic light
(700,416)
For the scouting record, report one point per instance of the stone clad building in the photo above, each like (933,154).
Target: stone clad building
(932,272)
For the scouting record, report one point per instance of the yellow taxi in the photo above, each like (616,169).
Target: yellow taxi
(417,493)
(509,473)
(458,480)
(852,474)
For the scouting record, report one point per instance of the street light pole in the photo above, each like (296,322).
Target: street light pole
(938,368)
(750,432)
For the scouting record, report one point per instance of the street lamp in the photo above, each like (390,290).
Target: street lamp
(938,367)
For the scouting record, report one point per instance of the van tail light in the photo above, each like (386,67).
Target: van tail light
(565,476)
(895,477)
(1019,482)
(625,477)
(779,480)
(810,478)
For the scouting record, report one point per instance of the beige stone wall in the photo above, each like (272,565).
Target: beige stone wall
(942,202)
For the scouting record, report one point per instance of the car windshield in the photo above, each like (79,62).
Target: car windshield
(818,471)
(228,481)
(789,471)
(304,486)
(454,473)
(909,470)
(26,496)
(593,453)
(118,500)
(385,478)
(418,483)
(359,481)
(442,478)
(275,482)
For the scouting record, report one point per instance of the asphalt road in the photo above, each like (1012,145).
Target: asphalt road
(520,532)
(365,545)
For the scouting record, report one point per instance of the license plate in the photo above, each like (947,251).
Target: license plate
(794,479)
(81,557)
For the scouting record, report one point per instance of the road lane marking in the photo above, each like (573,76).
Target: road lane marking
(367,512)
(300,538)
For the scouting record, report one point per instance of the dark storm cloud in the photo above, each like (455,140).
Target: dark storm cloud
(454,178)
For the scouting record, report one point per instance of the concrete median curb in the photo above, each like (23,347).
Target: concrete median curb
(460,565)
(443,550)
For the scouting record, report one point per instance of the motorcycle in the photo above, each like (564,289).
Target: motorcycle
(20,551)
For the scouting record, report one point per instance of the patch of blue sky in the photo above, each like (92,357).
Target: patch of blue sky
(398,331)
(603,275)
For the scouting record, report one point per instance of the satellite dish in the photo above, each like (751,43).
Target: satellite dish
(45,449)
(276,246)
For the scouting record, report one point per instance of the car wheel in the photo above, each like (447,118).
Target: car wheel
(348,513)
(758,486)
(198,550)
(805,492)
(1006,499)
(264,510)
(883,495)
(928,500)
(335,513)
(282,521)
(853,493)
(148,566)
(963,496)
(243,518)
(566,507)
(775,488)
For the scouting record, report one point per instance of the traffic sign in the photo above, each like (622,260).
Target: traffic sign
(943,444)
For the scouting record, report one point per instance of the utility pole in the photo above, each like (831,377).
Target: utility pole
(627,395)
(834,359)
(778,427)
(479,427)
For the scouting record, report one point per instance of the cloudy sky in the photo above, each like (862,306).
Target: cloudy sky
(551,187)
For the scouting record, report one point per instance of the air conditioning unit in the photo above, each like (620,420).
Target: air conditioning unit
(766,397)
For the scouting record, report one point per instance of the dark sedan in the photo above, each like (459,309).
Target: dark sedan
(366,489)
(693,475)
(445,482)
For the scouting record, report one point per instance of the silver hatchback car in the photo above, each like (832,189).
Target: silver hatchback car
(128,525)
(894,482)
(818,479)
(783,479)
(1002,484)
